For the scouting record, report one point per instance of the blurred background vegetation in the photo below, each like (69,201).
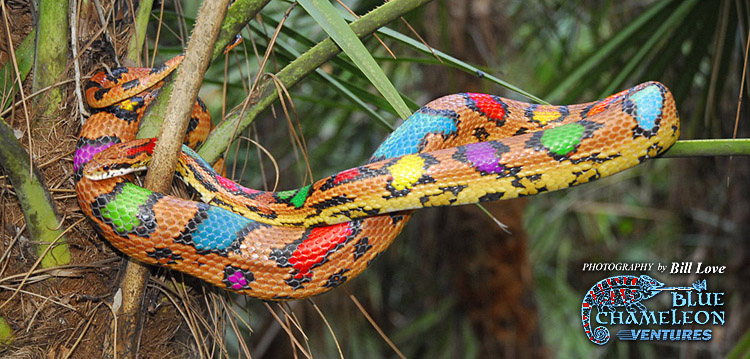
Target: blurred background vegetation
(454,284)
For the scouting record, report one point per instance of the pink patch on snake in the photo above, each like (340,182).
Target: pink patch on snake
(249,190)
(226,183)
(238,280)
(229,185)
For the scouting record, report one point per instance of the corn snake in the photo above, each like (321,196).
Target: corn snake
(458,149)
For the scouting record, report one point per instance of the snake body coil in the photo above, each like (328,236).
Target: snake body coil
(458,149)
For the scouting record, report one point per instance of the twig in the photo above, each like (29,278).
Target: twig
(76,66)
(375,325)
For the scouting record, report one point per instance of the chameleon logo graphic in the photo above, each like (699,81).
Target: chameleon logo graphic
(619,291)
(622,291)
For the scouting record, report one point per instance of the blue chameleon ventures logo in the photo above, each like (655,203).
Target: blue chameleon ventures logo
(618,301)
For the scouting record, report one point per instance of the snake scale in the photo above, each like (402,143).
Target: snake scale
(458,149)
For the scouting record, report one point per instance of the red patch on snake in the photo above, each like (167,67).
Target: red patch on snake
(346,175)
(488,105)
(319,244)
(600,106)
(603,104)
(147,147)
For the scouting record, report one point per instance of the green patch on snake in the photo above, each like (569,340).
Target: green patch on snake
(564,139)
(122,211)
(298,196)
(299,199)
(286,194)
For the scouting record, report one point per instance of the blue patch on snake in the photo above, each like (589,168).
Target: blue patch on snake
(648,104)
(218,231)
(408,137)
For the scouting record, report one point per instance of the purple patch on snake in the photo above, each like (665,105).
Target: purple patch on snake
(86,152)
(237,278)
(484,158)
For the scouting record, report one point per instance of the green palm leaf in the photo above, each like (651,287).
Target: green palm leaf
(328,18)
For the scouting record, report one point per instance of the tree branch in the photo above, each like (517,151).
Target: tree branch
(159,177)
(298,69)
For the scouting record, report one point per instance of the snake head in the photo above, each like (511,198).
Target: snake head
(120,159)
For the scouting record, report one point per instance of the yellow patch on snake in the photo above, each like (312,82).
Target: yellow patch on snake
(189,178)
(406,172)
(127,104)
(444,198)
(545,114)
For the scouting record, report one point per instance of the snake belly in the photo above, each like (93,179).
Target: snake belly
(458,149)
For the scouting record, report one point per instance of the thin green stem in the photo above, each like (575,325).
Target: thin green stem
(51,52)
(700,148)
(139,31)
(24,60)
